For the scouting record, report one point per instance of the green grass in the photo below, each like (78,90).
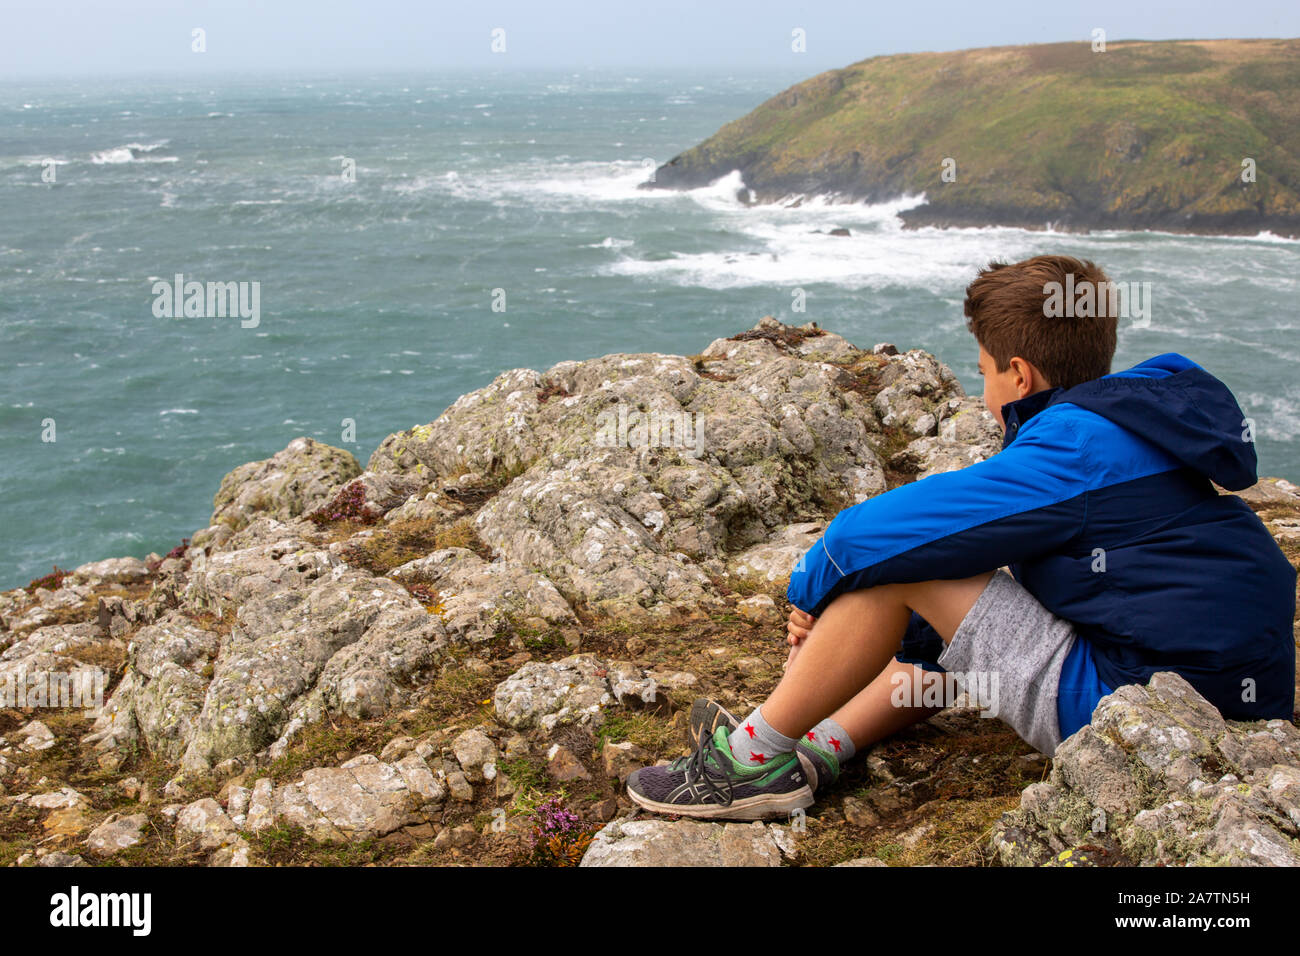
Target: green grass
(649,732)
(526,773)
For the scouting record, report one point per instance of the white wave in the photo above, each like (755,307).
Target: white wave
(570,185)
(1264,236)
(792,246)
(419,184)
(1280,413)
(725,191)
(133,153)
(179,411)
(622,179)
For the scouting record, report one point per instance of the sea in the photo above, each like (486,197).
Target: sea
(400,239)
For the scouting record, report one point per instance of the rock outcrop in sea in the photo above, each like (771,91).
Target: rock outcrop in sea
(459,651)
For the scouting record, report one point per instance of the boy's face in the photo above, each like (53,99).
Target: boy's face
(1020,379)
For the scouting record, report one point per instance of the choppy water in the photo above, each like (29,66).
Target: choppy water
(376,295)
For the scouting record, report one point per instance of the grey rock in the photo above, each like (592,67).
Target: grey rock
(62,799)
(117,833)
(760,608)
(623,523)
(1138,780)
(620,759)
(397,748)
(295,481)
(459,787)
(205,822)
(57,648)
(314,637)
(110,571)
(363,798)
(35,737)
(481,599)
(236,853)
(773,559)
(966,434)
(261,802)
(382,492)
(563,766)
(860,813)
(166,692)
(682,843)
(476,754)
(917,387)
(573,690)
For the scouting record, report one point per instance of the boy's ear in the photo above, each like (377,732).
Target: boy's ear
(1028,379)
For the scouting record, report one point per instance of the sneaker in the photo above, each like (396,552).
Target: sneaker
(822,765)
(712,784)
(707,715)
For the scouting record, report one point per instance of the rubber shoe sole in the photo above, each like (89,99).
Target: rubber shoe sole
(708,715)
(763,807)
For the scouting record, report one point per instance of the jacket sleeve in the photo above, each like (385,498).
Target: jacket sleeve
(1028,499)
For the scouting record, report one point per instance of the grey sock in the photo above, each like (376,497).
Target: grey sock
(828,735)
(754,743)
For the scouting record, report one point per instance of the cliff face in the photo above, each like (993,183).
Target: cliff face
(1145,135)
(519,600)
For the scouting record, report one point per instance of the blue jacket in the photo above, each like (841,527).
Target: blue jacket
(1100,503)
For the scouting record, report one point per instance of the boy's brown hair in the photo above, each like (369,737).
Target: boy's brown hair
(1010,311)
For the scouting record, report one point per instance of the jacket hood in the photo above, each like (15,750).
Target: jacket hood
(1171,402)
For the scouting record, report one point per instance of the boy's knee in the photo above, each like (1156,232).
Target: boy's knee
(945,603)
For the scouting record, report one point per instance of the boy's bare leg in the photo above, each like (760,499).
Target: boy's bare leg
(850,647)
(872,716)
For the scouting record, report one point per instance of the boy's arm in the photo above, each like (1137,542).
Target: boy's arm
(1026,500)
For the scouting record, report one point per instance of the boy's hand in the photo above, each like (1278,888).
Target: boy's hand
(797,629)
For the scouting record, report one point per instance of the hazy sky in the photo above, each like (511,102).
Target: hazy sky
(75,37)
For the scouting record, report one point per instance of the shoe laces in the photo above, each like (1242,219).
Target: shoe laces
(698,769)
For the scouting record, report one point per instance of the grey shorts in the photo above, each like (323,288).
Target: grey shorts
(1007,655)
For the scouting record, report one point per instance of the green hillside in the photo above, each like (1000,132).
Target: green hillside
(1143,135)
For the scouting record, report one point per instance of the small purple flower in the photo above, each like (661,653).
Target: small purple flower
(550,819)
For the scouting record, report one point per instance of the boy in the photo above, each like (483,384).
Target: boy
(1124,561)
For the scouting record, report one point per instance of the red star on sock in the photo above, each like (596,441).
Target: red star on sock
(750,729)
(836,744)
(811,735)
(759,757)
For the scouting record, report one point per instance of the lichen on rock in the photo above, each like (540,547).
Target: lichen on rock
(1159,777)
